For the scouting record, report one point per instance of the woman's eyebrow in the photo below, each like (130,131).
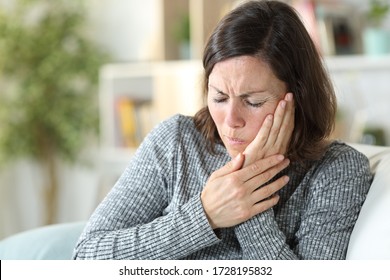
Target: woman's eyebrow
(243,95)
(217,90)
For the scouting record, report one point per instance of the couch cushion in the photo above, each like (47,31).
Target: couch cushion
(54,242)
(370,238)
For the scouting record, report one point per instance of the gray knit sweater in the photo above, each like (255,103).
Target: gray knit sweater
(154,211)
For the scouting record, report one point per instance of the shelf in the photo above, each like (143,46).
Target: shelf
(166,88)
(358,62)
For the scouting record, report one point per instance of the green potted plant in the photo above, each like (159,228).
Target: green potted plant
(182,35)
(376,38)
(48,86)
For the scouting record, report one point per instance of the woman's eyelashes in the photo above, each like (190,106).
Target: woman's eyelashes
(251,103)
(254,104)
(219,100)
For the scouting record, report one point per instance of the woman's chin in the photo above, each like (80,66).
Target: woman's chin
(234,152)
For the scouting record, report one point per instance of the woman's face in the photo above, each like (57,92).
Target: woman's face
(242,91)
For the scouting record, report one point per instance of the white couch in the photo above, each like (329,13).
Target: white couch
(370,238)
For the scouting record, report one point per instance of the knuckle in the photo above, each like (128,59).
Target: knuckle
(263,138)
(256,167)
(266,176)
(238,193)
(268,190)
(263,207)
(244,214)
(267,204)
(273,201)
(274,132)
(233,180)
(229,165)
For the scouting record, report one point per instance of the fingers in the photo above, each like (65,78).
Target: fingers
(274,134)
(287,125)
(262,198)
(261,179)
(255,150)
(259,167)
(233,165)
(264,205)
(231,194)
(266,197)
(263,134)
(261,204)
(282,127)
(267,191)
(279,117)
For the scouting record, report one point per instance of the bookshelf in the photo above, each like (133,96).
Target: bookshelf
(122,88)
(133,98)
(124,91)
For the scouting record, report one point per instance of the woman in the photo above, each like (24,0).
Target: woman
(251,175)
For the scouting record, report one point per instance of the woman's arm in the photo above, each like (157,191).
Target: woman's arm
(130,222)
(333,206)
(261,239)
(333,201)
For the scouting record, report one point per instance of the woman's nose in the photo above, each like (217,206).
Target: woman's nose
(234,116)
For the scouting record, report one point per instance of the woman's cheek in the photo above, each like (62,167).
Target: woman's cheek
(260,116)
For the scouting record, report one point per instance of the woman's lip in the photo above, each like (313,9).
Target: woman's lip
(235,141)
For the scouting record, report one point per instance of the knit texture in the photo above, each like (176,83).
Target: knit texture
(154,211)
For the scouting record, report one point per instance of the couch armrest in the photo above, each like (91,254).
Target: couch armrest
(54,242)
(370,238)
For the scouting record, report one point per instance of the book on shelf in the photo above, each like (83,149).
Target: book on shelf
(134,120)
(307,12)
(334,26)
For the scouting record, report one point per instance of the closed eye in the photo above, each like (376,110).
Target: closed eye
(221,97)
(219,100)
(255,102)
(256,105)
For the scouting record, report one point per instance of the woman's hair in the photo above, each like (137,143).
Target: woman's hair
(273,32)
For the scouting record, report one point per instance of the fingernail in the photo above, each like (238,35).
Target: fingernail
(289,96)
(269,118)
(286,179)
(283,104)
(280,157)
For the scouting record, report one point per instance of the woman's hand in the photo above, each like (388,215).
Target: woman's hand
(275,133)
(232,195)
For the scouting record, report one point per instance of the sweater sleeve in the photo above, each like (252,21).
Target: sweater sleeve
(131,223)
(260,238)
(334,196)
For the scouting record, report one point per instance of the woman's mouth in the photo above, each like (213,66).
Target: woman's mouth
(235,141)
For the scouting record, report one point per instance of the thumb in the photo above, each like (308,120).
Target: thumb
(233,165)
(237,162)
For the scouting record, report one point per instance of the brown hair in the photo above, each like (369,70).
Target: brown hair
(273,32)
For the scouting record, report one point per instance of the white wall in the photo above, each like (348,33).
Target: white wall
(22,187)
(128,29)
